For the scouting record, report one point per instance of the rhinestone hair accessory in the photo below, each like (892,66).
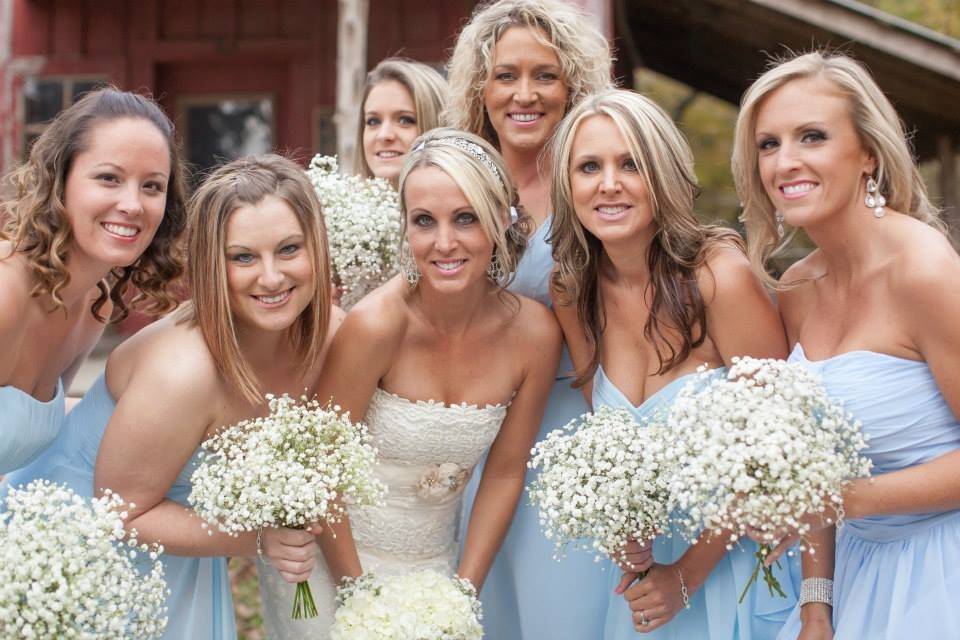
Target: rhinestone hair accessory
(470,147)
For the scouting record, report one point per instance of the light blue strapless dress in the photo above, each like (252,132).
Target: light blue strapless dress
(27,426)
(199,605)
(528,594)
(714,613)
(895,576)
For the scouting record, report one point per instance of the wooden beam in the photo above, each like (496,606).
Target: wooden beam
(352,19)
(947,155)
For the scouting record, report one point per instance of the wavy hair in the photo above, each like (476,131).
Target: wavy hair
(680,243)
(428,90)
(876,121)
(35,218)
(248,181)
(583,52)
(480,173)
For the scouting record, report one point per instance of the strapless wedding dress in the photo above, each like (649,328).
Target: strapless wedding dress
(426,451)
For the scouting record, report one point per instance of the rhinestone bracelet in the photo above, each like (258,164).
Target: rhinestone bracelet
(816,590)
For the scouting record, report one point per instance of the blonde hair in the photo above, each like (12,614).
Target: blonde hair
(480,173)
(427,88)
(583,53)
(248,181)
(680,242)
(880,130)
(35,221)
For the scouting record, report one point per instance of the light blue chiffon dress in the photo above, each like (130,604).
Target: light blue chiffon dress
(529,595)
(199,605)
(714,612)
(27,426)
(895,576)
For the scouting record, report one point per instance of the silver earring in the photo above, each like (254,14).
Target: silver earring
(875,199)
(409,269)
(495,270)
(779,218)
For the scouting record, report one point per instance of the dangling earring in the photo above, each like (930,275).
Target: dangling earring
(779,218)
(409,269)
(875,199)
(495,270)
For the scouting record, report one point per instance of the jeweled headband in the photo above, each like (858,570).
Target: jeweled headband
(477,152)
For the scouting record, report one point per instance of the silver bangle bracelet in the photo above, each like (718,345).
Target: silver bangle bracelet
(816,590)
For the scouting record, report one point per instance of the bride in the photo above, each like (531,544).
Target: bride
(442,363)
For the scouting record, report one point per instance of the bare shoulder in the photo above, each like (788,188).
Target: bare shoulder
(925,267)
(15,285)
(536,325)
(725,272)
(167,355)
(378,320)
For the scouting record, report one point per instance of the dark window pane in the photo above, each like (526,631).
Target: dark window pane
(84,86)
(43,100)
(228,129)
(327,135)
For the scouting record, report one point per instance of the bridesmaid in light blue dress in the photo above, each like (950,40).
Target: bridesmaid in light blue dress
(873,310)
(527,88)
(260,290)
(645,294)
(112,160)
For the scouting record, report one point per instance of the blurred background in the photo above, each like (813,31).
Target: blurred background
(249,76)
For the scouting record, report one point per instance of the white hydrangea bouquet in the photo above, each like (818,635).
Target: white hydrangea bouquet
(298,466)
(604,478)
(759,449)
(363,226)
(69,570)
(422,605)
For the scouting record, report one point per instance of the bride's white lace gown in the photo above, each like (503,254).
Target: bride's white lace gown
(426,453)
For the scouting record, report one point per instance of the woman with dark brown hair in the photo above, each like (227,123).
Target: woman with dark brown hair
(99,205)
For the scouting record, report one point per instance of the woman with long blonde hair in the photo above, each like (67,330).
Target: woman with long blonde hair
(258,321)
(517,68)
(873,310)
(646,294)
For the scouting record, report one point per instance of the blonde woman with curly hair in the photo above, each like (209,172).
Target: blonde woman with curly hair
(402,99)
(873,309)
(258,321)
(517,68)
(98,206)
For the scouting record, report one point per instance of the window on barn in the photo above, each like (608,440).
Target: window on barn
(223,127)
(44,98)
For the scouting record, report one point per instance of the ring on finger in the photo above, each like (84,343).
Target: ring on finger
(643,619)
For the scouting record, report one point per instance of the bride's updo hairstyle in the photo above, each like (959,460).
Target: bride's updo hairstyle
(680,241)
(246,182)
(876,122)
(478,170)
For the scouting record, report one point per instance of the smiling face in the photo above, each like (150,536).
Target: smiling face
(116,191)
(446,237)
(526,93)
(811,160)
(269,272)
(390,127)
(610,195)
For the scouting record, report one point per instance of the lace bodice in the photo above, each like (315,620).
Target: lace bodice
(426,452)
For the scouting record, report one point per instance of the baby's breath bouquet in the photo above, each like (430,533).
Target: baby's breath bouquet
(603,478)
(760,448)
(363,226)
(423,605)
(69,570)
(298,466)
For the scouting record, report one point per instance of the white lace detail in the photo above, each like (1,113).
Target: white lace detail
(427,450)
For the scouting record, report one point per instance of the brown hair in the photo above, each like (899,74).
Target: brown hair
(36,224)
(248,181)
(427,89)
(680,243)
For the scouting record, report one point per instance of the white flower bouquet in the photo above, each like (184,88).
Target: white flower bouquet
(298,466)
(758,450)
(605,478)
(363,226)
(423,605)
(69,570)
